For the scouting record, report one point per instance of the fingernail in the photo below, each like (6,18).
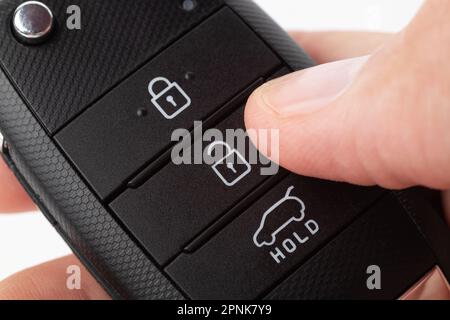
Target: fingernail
(312,89)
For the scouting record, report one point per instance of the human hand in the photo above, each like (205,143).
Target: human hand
(376,112)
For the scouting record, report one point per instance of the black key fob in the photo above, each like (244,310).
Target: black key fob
(89,108)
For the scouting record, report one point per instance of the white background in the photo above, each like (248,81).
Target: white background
(27,239)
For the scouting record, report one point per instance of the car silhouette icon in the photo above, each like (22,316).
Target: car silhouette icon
(275,219)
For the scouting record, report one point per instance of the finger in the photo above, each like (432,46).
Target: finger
(433,286)
(333,46)
(13,197)
(49,282)
(381,119)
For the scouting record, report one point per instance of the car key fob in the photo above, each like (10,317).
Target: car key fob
(92,94)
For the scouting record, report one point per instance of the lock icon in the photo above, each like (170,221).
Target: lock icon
(233,167)
(170,101)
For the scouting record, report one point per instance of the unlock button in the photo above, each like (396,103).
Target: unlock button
(233,167)
(178,202)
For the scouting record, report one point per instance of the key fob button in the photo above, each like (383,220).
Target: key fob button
(275,235)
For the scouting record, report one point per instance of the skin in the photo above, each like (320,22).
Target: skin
(414,152)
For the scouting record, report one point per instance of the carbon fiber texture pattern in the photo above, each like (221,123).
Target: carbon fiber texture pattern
(272,34)
(111,254)
(68,73)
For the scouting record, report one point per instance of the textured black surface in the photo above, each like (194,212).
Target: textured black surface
(272,33)
(63,76)
(111,254)
(385,237)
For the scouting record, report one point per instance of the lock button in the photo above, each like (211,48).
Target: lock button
(172,100)
(109,144)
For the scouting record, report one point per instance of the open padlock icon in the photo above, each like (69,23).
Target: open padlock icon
(171,100)
(231,168)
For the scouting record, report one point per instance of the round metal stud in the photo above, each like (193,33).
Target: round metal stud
(32,22)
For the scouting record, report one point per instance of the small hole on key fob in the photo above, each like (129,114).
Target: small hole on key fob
(188,5)
(141,112)
(189,75)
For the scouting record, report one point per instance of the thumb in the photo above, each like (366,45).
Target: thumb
(381,119)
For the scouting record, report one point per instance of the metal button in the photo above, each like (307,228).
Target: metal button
(32,22)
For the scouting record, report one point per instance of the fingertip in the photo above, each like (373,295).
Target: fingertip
(49,281)
(304,109)
(297,151)
(13,197)
(255,114)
